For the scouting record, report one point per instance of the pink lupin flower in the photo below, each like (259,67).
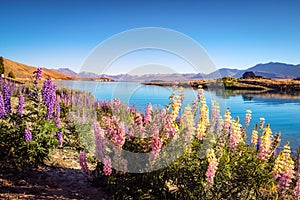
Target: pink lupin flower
(156,141)
(116,104)
(148,113)
(169,128)
(120,136)
(296,191)
(156,145)
(138,120)
(107,166)
(212,167)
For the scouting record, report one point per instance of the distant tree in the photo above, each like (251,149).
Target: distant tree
(1,66)
(249,75)
(229,81)
(11,75)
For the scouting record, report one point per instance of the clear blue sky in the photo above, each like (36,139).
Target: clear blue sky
(236,34)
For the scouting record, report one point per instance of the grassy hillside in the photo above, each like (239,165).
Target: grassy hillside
(25,73)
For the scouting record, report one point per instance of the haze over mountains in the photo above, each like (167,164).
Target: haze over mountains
(267,70)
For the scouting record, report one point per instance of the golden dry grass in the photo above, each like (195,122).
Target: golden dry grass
(25,73)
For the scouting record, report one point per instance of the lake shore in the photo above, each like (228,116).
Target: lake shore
(261,84)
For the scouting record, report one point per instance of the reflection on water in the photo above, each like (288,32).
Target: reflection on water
(268,97)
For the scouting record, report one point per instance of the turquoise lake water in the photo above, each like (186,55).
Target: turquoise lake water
(281,112)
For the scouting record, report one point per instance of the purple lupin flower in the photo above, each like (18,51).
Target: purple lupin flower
(57,113)
(83,163)
(38,74)
(2,109)
(28,134)
(7,104)
(21,105)
(49,97)
(100,142)
(60,138)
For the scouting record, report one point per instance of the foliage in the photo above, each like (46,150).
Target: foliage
(2,69)
(229,81)
(11,75)
(213,159)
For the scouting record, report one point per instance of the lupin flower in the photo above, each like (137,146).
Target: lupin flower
(176,105)
(275,144)
(83,163)
(248,117)
(187,122)
(156,141)
(201,129)
(212,167)
(57,113)
(27,134)
(119,135)
(156,144)
(255,135)
(100,142)
(296,191)
(107,166)
(7,104)
(227,119)
(49,97)
(261,123)
(116,104)
(203,122)
(138,120)
(215,111)
(235,134)
(204,112)
(38,74)
(169,128)
(59,138)
(21,105)
(148,113)
(2,109)
(265,143)
(283,169)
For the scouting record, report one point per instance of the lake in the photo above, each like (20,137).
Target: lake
(282,112)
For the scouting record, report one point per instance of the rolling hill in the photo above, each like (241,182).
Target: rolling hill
(25,73)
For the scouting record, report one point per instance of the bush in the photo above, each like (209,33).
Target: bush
(11,75)
(213,161)
(27,136)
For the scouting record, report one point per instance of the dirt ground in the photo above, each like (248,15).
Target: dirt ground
(60,178)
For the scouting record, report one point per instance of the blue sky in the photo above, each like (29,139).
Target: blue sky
(235,34)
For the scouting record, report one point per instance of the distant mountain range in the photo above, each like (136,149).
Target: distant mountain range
(273,70)
(267,70)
